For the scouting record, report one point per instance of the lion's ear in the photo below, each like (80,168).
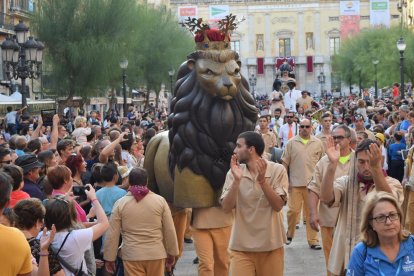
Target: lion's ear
(191,64)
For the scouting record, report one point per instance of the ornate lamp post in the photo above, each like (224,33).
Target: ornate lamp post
(375,62)
(22,57)
(124,65)
(321,80)
(171,73)
(252,82)
(401,48)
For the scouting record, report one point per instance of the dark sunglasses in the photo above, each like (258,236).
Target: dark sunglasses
(305,126)
(339,137)
(289,116)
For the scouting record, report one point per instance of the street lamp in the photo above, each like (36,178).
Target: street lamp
(22,57)
(124,64)
(252,82)
(171,73)
(321,80)
(401,48)
(375,62)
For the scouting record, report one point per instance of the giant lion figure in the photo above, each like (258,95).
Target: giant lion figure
(211,107)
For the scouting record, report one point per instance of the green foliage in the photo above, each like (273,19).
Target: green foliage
(375,44)
(85,40)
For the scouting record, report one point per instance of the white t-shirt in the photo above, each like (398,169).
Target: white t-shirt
(290,99)
(284,133)
(11,117)
(73,251)
(128,159)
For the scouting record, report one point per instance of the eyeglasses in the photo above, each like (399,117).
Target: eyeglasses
(339,137)
(289,117)
(383,218)
(305,126)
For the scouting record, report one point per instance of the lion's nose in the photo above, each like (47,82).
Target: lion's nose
(227,83)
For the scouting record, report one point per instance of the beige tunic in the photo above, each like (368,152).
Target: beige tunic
(301,159)
(257,226)
(305,103)
(327,215)
(342,244)
(147,229)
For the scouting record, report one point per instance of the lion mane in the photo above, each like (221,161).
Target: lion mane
(203,128)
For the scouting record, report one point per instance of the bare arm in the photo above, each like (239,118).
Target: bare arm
(21,109)
(313,201)
(54,134)
(109,149)
(275,200)
(375,159)
(229,200)
(36,132)
(102,220)
(327,190)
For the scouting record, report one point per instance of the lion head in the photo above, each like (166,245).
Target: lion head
(211,107)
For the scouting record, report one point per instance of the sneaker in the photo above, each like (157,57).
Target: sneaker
(315,247)
(195,261)
(288,241)
(297,226)
(188,240)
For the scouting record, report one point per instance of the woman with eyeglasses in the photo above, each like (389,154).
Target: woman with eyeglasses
(385,248)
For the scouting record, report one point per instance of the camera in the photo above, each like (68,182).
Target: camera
(79,190)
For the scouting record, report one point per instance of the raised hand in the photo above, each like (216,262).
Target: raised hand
(46,240)
(375,156)
(332,150)
(235,168)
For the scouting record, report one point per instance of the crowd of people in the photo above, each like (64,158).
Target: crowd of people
(74,196)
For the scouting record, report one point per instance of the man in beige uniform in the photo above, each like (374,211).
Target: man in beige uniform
(327,217)
(269,137)
(360,126)
(257,191)
(349,193)
(325,128)
(300,157)
(211,234)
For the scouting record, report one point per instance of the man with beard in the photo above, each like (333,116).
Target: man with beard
(324,216)
(349,192)
(299,158)
(257,189)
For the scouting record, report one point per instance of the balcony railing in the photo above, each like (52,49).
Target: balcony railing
(24,6)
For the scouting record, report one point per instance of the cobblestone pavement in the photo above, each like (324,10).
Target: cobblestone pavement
(300,260)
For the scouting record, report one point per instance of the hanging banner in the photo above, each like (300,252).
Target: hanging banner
(187,11)
(218,12)
(349,26)
(349,7)
(380,13)
(349,18)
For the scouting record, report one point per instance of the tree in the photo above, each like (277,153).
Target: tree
(162,44)
(375,44)
(85,41)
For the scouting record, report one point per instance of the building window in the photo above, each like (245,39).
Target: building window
(235,45)
(333,18)
(365,17)
(334,43)
(284,47)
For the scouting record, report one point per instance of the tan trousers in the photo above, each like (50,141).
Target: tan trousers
(180,222)
(144,268)
(297,197)
(269,263)
(409,217)
(211,248)
(327,240)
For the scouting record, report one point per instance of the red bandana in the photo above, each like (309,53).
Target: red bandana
(138,191)
(368,183)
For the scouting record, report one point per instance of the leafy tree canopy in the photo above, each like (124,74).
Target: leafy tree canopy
(85,40)
(356,57)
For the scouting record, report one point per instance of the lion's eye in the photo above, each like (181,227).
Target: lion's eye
(209,72)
